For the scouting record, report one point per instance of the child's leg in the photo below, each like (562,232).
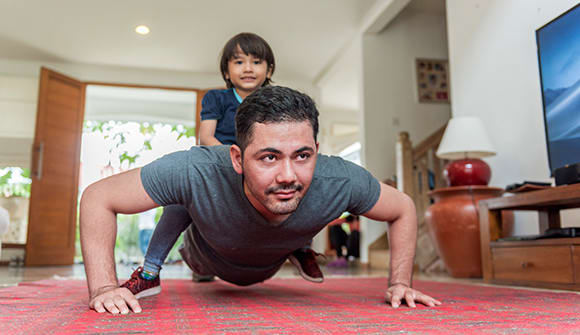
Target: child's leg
(173,222)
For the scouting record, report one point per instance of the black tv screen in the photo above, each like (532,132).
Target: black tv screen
(559,59)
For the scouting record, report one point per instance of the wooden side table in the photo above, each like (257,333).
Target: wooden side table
(549,263)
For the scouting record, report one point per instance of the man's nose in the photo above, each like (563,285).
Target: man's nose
(286,175)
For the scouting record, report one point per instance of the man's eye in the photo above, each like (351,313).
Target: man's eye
(303,156)
(269,158)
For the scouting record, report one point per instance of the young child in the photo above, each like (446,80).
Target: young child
(247,63)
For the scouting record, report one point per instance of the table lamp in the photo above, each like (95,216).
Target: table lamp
(464,142)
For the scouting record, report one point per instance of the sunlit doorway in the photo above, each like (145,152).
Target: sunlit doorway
(126,128)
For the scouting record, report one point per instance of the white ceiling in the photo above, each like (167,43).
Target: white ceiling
(185,35)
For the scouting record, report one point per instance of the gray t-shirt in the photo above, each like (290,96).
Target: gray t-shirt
(230,235)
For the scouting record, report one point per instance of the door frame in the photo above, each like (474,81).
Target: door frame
(199,96)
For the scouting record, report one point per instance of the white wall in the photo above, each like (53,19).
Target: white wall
(495,75)
(390,92)
(339,106)
(390,101)
(19,90)
(17,119)
(138,76)
(339,101)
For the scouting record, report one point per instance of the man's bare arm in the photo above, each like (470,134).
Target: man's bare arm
(101,202)
(398,209)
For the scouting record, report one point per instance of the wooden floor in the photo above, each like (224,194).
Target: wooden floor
(11,275)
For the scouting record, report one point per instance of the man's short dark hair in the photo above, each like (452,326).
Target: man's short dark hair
(251,44)
(273,104)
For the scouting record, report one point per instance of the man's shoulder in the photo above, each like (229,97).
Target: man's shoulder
(337,167)
(330,166)
(215,154)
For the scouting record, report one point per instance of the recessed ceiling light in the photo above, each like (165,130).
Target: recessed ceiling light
(142,29)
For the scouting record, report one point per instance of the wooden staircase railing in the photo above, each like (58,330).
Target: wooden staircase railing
(418,172)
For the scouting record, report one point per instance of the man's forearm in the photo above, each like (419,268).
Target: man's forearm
(403,240)
(98,229)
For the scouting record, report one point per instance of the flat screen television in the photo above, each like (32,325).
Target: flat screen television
(559,59)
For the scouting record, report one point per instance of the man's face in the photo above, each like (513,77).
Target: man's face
(278,165)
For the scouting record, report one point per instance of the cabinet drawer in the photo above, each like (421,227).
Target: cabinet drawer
(536,264)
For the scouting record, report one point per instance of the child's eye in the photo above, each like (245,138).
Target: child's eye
(238,62)
(258,62)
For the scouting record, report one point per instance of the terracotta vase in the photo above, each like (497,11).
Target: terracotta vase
(453,223)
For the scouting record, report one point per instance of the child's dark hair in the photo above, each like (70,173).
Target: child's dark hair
(251,44)
(273,104)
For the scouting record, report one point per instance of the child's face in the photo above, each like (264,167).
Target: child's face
(247,72)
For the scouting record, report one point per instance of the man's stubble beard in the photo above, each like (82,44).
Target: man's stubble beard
(283,207)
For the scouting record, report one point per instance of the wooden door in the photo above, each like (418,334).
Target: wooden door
(55,170)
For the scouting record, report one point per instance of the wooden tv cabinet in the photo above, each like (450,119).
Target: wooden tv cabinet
(548,263)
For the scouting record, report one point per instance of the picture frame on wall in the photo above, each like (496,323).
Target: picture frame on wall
(432,80)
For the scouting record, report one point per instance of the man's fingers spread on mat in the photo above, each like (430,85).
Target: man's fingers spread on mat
(97,306)
(134,304)
(394,295)
(396,299)
(410,298)
(130,299)
(110,306)
(121,305)
(426,300)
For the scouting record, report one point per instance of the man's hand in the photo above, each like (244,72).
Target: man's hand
(114,299)
(397,292)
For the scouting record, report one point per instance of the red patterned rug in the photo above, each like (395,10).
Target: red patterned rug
(290,306)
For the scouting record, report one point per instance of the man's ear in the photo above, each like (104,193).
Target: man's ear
(236,157)
(317,146)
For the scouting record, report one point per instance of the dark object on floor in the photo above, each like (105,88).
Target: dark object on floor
(290,306)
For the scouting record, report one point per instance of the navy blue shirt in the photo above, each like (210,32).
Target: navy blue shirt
(221,105)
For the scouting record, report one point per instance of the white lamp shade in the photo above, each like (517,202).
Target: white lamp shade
(465,137)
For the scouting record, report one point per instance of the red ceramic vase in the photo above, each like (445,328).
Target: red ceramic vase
(469,171)
(453,222)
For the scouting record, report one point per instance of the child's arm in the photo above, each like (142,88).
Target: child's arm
(207,132)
